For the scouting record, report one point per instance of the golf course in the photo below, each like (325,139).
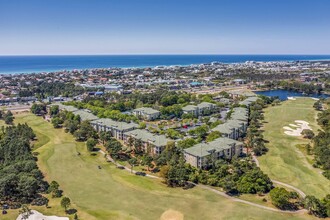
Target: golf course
(111,193)
(287,160)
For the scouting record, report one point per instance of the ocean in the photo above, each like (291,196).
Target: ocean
(35,64)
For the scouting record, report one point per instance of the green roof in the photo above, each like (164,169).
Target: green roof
(115,124)
(205,105)
(189,108)
(85,115)
(146,110)
(223,128)
(68,108)
(205,149)
(249,100)
(146,136)
(228,126)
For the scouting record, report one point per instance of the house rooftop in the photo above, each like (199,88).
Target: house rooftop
(249,100)
(85,115)
(68,108)
(189,108)
(146,136)
(205,149)
(116,124)
(205,105)
(147,110)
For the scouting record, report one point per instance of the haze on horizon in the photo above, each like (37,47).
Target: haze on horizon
(61,27)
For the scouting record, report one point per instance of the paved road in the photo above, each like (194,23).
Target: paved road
(219,192)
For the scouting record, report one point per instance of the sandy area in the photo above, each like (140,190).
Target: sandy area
(297,128)
(291,98)
(172,215)
(38,216)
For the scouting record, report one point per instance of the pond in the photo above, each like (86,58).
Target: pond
(284,94)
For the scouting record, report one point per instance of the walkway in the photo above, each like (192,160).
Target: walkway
(302,194)
(222,193)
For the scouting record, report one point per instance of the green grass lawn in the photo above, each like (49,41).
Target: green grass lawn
(286,161)
(111,193)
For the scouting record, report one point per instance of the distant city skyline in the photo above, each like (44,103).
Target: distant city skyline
(82,27)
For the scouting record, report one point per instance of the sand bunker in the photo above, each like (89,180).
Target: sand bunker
(298,128)
(291,98)
(38,216)
(172,215)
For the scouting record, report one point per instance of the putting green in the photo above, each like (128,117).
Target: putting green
(111,193)
(285,161)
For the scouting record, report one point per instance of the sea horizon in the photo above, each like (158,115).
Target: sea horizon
(27,64)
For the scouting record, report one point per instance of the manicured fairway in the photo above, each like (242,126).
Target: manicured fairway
(284,161)
(110,193)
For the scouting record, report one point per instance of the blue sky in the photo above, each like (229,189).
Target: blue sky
(164,27)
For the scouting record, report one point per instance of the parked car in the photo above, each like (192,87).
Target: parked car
(140,173)
(121,167)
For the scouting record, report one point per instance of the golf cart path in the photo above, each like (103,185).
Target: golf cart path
(302,194)
(219,192)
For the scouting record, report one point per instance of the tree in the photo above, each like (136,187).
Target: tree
(38,109)
(147,160)
(85,131)
(25,212)
(281,198)
(213,135)
(142,125)
(307,133)
(173,134)
(186,143)
(113,146)
(132,162)
(314,206)
(56,121)
(54,110)
(254,181)
(54,189)
(200,131)
(20,179)
(326,203)
(91,143)
(105,136)
(65,203)
(75,217)
(8,117)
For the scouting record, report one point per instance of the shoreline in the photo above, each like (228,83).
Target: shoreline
(121,66)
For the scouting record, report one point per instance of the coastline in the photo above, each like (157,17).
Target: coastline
(13,65)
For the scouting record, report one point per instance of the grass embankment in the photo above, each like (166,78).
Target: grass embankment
(286,160)
(111,193)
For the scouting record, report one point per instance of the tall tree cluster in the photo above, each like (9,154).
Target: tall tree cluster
(20,179)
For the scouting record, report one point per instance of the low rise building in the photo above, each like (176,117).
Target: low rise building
(151,143)
(148,114)
(116,128)
(206,108)
(202,154)
(203,108)
(190,109)
(85,115)
(249,100)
